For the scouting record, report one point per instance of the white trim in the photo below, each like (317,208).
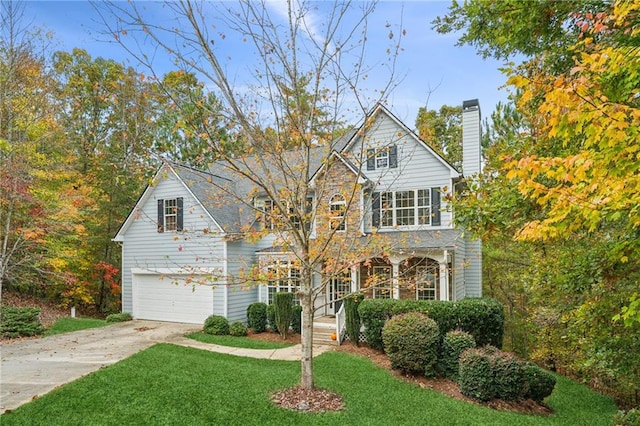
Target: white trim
(225,272)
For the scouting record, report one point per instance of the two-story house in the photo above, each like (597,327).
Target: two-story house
(187,236)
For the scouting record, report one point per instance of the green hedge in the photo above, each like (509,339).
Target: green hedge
(411,340)
(374,313)
(19,322)
(483,318)
(257,317)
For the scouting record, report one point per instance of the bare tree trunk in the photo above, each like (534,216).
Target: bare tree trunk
(306,379)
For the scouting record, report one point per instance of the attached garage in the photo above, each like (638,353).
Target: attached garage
(170,298)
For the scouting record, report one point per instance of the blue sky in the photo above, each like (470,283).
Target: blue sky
(430,62)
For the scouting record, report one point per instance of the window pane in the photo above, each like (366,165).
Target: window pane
(171,215)
(405,213)
(382,158)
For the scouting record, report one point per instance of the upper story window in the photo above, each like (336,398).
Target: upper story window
(267,214)
(382,158)
(406,208)
(337,210)
(170,215)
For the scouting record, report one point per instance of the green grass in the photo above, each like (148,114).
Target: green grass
(237,342)
(173,385)
(66,325)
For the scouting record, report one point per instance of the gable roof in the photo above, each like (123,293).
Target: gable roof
(381,109)
(146,194)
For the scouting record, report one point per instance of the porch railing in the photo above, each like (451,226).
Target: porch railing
(340,323)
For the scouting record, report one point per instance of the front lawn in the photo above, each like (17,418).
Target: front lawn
(171,385)
(237,341)
(68,324)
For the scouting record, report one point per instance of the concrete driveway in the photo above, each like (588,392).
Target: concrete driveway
(31,368)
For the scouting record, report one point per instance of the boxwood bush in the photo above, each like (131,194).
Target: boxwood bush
(257,317)
(507,376)
(411,341)
(121,317)
(237,329)
(487,372)
(217,325)
(455,342)
(537,383)
(18,322)
(475,374)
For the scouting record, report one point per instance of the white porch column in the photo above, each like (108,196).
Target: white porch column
(395,281)
(354,278)
(444,277)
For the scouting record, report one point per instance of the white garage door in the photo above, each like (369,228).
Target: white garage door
(163,298)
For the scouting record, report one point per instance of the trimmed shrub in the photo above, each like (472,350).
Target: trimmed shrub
(271,318)
(411,341)
(237,329)
(352,317)
(121,317)
(18,322)
(507,376)
(296,319)
(257,317)
(283,304)
(537,383)
(217,325)
(483,319)
(455,342)
(374,313)
(475,374)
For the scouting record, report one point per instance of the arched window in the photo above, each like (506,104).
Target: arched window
(337,211)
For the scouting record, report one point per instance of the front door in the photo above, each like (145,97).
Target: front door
(338,288)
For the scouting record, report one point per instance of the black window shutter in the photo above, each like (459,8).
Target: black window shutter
(393,157)
(179,215)
(435,206)
(375,209)
(371,159)
(160,215)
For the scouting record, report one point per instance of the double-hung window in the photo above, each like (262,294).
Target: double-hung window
(337,210)
(406,208)
(382,158)
(170,215)
(426,283)
(283,276)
